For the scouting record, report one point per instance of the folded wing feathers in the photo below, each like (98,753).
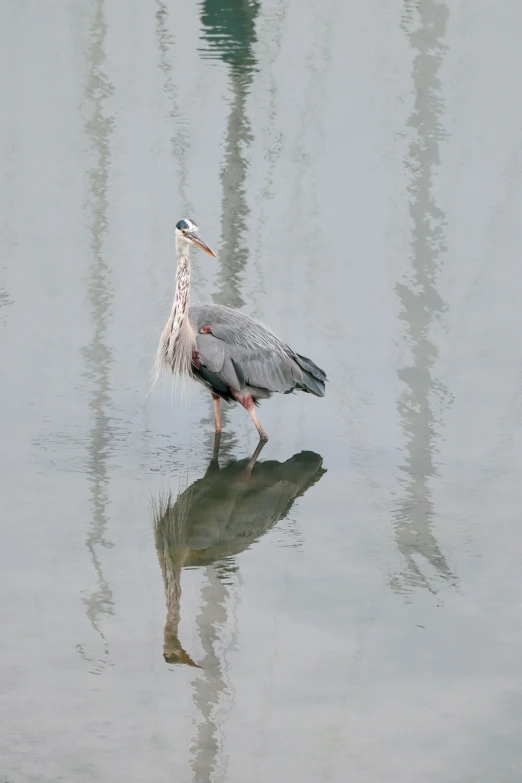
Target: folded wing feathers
(243,352)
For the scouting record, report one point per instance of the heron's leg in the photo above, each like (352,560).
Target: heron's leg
(252,412)
(217,411)
(248,403)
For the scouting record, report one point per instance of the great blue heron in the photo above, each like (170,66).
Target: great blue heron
(233,355)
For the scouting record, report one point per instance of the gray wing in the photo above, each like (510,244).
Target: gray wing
(234,327)
(242,354)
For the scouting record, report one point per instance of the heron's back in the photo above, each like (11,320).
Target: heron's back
(238,352)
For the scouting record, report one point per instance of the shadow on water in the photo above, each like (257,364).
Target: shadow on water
(425,25)
(210,522)
(98,127)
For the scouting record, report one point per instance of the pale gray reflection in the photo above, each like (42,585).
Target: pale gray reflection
(98,357)
(5,301)
(8,235)
(181,139)
(310,136)
(207,525)
(229,31)
(425,24)
(271,35)
(213,693)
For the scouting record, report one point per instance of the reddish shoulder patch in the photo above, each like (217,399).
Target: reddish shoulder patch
(195,359)
(205,330)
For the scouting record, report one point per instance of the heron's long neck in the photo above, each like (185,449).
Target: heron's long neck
(182,294)
(178,340)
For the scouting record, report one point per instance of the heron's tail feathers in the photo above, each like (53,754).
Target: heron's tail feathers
(314,378)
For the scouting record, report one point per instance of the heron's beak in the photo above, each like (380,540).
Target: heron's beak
(198,242)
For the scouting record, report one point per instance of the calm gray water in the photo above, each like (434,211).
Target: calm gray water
(355,610)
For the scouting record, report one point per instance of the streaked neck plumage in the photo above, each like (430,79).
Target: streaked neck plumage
(178,339)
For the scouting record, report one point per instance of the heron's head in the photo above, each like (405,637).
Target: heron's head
(187,231)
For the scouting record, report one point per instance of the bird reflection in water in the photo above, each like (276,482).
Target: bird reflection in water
(221,515)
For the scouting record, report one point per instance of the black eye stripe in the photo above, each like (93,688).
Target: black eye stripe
(185,225)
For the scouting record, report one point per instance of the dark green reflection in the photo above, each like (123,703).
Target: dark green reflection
(229,31)
(220,515)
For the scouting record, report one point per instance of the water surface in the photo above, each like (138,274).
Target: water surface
(348,608)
